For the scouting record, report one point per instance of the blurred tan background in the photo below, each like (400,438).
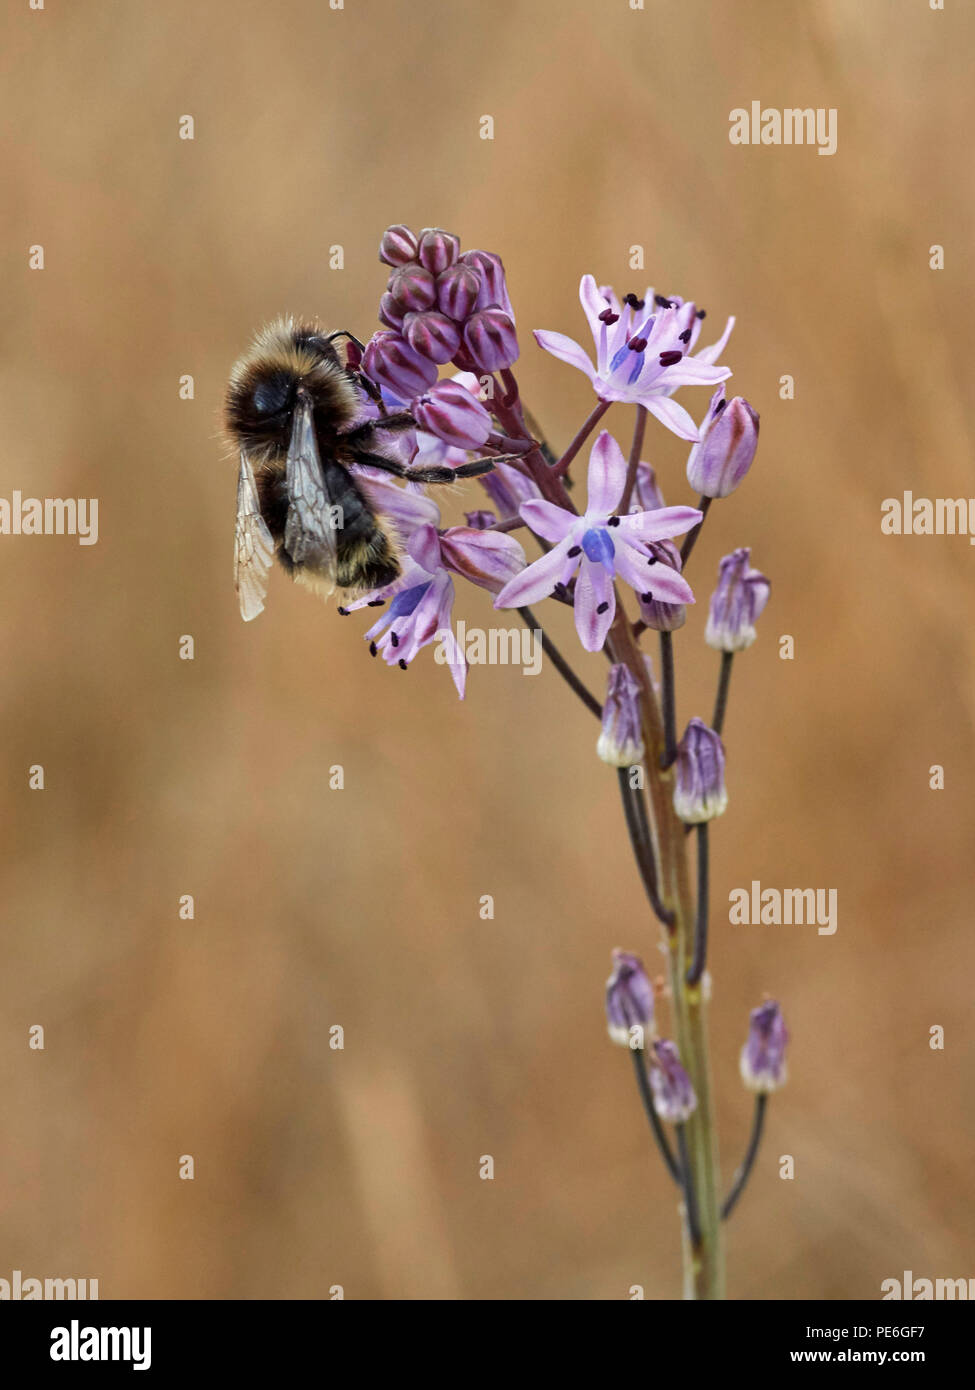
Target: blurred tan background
(359,907)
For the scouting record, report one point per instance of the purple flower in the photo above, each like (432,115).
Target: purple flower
(421,600)
(699,793)
(457,291)
(398,245)
(629,1001)
(620,741)
(390,361)
(673,1095)
(432,335)
(763,1067)
(454,414)
(736,603)
(491,340)
(643,352)
(413,287)
(600,546)
(724,453)
(437,249)
(493,292)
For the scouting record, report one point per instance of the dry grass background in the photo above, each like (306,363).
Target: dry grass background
(359,907)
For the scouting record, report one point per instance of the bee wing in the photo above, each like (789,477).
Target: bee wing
(253,546)
(309,535)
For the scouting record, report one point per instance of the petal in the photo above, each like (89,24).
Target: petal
(487,558)
(607,476)
(665,584)
(593,302)
(547,520)
(692,372)
(674,416)
(407,510)
(712,353)
(594,588)
(538,580)
(424,548)
(660,525)
(565,349)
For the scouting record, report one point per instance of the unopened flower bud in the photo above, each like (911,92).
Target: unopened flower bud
(414,288)
(480,520)
(391,362)
(437,249)
(620,741)
(398,246)
(647,496)
(390,313)
(507,489)
(457,291)
(673,1095)
(763,1067)
(629,1002)
(449,411)
(736,603)
(490,559)
(491,340)
(432,335)
(699,794)
(724,453)
(494,287)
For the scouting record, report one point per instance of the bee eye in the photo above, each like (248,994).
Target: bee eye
(272,395)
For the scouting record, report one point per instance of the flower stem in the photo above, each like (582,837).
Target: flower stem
(667,696)
(744,1172)
(721,701)
(701,916)
(690,1198)
(560,663)
(646,1095)
(636,449)
(562,466)
(690,541)
(635,812)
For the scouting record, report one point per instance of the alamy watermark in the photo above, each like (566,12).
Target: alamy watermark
(50,516)
(496,646)
(794,125)
(928,516)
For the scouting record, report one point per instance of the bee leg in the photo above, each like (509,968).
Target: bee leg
(362,434)
(433,473)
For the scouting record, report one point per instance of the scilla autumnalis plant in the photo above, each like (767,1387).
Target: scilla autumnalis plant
(612,551)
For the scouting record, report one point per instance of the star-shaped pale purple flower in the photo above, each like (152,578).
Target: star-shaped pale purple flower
(644,351)
(421,599)
(601,546)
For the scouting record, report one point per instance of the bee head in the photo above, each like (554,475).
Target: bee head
(264,387)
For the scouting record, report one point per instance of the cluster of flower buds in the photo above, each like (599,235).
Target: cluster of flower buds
(440,306)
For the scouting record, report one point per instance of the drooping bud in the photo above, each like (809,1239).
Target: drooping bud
(414,288)
(620,741)
(437,249)
(480,520)
(390,361)
(736,603)
(673,1095)
(449,411)
(398,246)
(647,496)
(432,335)
(699,793)
(763,1067)
(491,340)
(629,1002)
(457,291)
(489,559)
(724,453)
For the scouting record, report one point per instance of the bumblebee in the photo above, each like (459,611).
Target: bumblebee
(292,410)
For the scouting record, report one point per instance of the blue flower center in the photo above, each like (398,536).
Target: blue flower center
(405,603)
(598,546)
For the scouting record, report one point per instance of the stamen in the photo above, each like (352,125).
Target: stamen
(574,551)
(374,603)
(394,639)
(613,521)
(664,303)
(342,612)
(402,664)
(702,313)
(633,302)
(373,649)
(719,407)
(652,560)
(671,358)
(602,608)
(647,597)
(608,317)
(685,337)
(637,344)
